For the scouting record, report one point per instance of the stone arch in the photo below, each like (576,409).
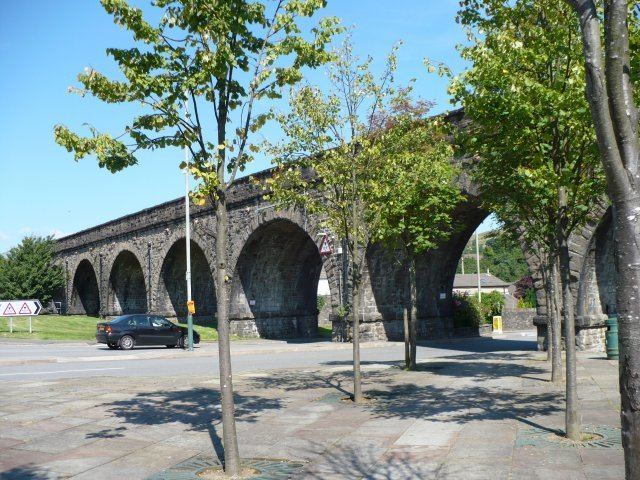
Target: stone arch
(85,292)
(596,292)
(171,290)
(275,281)
(127,285)
(385,286)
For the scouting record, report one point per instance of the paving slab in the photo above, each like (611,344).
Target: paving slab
(458,417)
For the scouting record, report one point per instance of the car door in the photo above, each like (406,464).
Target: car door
(163,331)
(144,331)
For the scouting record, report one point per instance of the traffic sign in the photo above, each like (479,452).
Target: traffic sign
(325,246)
(19,308)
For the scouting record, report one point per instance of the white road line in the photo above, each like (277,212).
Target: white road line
(61,371)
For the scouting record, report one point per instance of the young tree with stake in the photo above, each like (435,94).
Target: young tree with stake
(413,195)
(229,59)
(538,166)
(329,162)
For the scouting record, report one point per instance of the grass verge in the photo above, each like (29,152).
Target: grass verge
(51,327)
(83,327)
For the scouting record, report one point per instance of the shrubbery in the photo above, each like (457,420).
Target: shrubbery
(468,312)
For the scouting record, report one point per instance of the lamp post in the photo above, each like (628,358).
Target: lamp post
(190,304)
(478,267)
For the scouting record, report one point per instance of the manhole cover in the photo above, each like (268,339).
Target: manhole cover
(267,468)
(597,436)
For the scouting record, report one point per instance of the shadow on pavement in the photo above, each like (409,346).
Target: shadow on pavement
(365,461)
(405,399)
(24,472)
(482,344)
(198,408)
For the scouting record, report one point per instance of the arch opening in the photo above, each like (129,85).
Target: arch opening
(386,289)
(85,295)
(275,287)
(127,290)
(172,286)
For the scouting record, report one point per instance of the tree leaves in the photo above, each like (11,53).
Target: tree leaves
(227,56)
(531,127)
(28,270)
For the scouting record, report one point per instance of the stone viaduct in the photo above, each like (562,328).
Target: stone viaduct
(136,263)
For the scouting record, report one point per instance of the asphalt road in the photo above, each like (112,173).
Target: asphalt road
(42,361)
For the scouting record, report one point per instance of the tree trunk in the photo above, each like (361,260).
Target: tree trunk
(572,423)
(407,340)
(406,312)
(230,438)
(556,325)
(628,306)
(413,301)
(355,307)
(615,117)
(547,279)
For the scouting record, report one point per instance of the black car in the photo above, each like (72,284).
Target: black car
(127,331)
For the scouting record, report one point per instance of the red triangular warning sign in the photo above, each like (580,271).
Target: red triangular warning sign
(9,310)
(325,246)
(24,309)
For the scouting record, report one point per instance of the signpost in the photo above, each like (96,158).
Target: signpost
(19,308)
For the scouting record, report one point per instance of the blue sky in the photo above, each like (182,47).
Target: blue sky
(44,44)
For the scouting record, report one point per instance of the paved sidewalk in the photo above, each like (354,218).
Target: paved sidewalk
(484,416)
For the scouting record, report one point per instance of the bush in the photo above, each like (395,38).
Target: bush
(492,304)
(526,293)
(466,311)
(321,302)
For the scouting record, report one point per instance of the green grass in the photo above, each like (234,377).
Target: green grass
(324,332)
(82,327)
(207,331)
(51,327)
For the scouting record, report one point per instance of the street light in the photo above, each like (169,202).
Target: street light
(190,303)
(478,268)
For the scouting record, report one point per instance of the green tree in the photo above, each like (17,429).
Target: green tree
(412,196)
(228,60)
(29,270)
(330,160)
(503,257)
(539,168)
(500,254)
(612,92)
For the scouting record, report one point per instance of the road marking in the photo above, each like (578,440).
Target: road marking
(61,371)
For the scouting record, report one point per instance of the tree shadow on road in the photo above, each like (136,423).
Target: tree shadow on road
(23,472)
(475,391)
(198,408)
(370,462)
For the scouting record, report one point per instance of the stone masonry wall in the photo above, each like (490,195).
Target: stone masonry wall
(518,318)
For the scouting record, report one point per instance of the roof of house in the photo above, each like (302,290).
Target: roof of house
(470,280)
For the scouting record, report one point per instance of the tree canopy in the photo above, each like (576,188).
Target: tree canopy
(29,271)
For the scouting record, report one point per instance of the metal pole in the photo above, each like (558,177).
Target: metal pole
(30,329)
(188,238)
(10,324)
(478,267)
(462,262)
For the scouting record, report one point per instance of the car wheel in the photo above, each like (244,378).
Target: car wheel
(171,346)
(112,345)
(127,342)
(184,342)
